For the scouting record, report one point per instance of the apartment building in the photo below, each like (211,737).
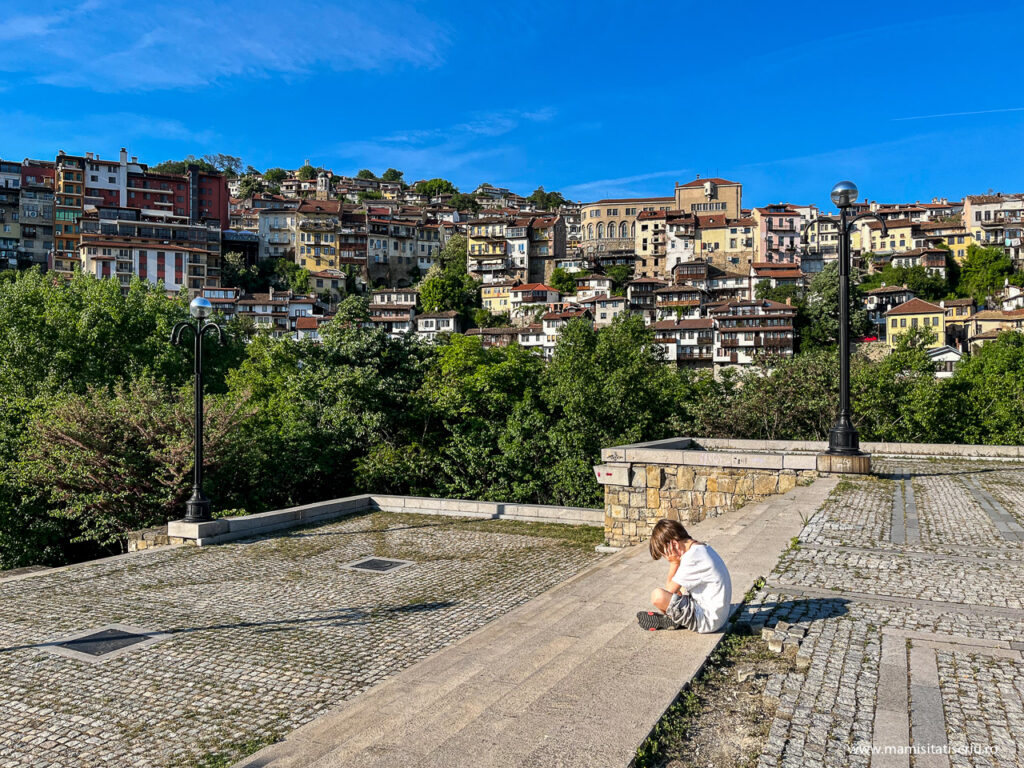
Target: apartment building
(391,247)
(750,328)
(912,314)
(642,296)
(726,243)
(429,325)
(36,213)
(604,308)
(316,232)
(121,243)
(880,300)
(589,286)
(504,247)
(608,228)
(10,215)
(276,312)
(710,196)
(778,233)
(496,298)
(394,310)
(688,342)
(996,220)
(69,186)
(525,298)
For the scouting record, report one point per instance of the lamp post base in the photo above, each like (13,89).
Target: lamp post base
(197,509)
(843,438)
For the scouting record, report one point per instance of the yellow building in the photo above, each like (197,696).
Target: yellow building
(317,224)
(715,196)
(728,244)
(487,247)
(68,191)
(916,313)
(899,236)
(496,297)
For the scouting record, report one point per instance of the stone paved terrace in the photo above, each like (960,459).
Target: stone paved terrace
(264,634)
(908,585)
(919,570)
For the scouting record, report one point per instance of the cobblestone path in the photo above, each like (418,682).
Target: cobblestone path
(910,588)
(262,635)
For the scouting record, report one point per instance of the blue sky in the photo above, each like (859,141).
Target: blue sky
(910,100)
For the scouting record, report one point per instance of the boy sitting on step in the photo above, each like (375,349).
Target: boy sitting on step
(698,589)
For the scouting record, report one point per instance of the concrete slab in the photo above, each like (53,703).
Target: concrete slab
(567,679)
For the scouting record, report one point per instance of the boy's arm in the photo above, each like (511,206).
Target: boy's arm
(671,586)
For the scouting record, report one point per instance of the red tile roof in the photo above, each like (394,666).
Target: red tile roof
(915,307)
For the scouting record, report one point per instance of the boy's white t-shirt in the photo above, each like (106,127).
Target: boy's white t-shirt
(703,575)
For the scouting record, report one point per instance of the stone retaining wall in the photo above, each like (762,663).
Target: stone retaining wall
(687,494)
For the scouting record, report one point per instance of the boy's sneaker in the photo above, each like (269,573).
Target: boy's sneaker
(653,620)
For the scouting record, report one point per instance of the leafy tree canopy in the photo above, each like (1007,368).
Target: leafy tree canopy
(306,173)
(546,201)
(275,175)
(180,167)
(366,173)
(392,174)
(433,187)
(984,271)
(461,202)
(562,281)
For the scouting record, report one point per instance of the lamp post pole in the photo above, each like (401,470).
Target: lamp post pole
(843,439)
(197,508)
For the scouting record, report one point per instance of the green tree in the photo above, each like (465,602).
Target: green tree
(461,202)
(370,194)
(823,309)
(546,201)
(290,276)
(620,275)
(984,271)
(434,187)
(179,167)
(275,175)
(562,281)
(306,173)
(366,173)
(392,174)
(229,165)
(250,185)
(448,285)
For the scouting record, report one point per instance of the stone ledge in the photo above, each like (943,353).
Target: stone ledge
(247,526)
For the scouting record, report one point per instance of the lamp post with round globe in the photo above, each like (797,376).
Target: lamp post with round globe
(197,508)
(843,439)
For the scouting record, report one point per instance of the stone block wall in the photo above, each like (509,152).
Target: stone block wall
(687,493)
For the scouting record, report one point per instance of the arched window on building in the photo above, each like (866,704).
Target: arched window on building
(611,229)
(632,229)
(623,230)
(590,231)
(600,230)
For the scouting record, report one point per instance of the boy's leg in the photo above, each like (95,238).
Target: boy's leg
(683,611)
(661,599)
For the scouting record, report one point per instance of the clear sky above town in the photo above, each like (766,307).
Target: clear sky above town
(910,100)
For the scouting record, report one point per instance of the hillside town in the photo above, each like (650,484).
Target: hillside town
(696,265)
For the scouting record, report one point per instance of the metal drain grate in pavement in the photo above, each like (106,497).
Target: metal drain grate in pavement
(378,564)
(103,643)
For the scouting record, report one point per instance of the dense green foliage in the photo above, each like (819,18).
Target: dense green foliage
(546,201)
(95,420)
(433,187)
(448,285)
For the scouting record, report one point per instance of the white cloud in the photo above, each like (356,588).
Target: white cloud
(441,151)
(105,133)
(168,45)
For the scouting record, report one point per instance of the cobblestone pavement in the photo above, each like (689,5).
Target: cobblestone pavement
(910,589)
(264,635)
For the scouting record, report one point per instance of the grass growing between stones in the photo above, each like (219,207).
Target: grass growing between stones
(228,755)
(721,719)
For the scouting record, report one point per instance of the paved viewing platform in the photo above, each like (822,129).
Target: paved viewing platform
(502,647)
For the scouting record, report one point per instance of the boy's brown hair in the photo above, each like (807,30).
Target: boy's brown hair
(666,531)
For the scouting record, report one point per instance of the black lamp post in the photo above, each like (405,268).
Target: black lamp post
(197,508)
(843,439)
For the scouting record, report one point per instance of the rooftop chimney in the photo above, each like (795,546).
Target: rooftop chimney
(124,156)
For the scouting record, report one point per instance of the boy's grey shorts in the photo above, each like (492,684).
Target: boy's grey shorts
(683,611)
